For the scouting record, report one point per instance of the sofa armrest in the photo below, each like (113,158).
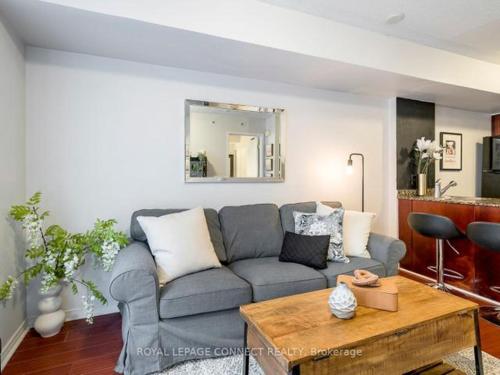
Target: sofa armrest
(134,276)
(387,250)
(134,284)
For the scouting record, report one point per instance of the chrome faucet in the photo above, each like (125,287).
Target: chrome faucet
(438,191)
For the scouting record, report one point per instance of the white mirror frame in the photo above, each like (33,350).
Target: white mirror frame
(280,129)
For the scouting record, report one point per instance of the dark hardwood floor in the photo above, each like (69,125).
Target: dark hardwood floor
(78,349)
(93,350)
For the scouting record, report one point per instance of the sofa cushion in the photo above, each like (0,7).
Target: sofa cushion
(251,231)
(206,291)
(287,210)
(271,278)
(334,269)
(211,215)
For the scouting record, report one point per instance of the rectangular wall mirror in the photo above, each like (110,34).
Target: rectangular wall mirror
(233,143)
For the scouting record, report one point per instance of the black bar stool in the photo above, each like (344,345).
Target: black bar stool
(441,228)
(487,236)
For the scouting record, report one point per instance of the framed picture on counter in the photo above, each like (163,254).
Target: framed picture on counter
(452,153)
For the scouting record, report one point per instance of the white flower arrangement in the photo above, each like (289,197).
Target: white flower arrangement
(56,254)
(426,153)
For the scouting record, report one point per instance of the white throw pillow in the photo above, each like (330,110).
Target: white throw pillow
(180,243)
(357,228)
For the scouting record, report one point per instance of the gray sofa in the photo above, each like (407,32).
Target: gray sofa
(197,316)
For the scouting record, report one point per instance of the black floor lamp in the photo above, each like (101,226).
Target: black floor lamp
(349,170)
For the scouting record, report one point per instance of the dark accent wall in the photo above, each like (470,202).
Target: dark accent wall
(414,119)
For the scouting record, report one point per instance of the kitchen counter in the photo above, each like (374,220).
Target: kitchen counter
(472,269)
(475,201)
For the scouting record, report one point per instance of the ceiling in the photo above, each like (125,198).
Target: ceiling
(256,41)
(467,27)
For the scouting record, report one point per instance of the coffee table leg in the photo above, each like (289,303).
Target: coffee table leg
(478,354)
(245,351)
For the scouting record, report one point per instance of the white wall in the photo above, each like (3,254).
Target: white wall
(105,137)
(389,171)
(12,82)
(473,126)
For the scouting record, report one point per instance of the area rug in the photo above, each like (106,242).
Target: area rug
(463,360)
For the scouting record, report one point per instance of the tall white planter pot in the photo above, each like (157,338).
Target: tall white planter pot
(52,317)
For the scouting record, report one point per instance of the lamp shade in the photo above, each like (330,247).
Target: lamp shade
(349,166)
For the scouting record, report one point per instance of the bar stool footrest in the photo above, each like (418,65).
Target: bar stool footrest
(448,273)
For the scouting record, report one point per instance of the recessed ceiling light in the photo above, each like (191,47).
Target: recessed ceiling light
(395,18)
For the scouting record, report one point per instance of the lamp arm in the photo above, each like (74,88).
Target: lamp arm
(357,154)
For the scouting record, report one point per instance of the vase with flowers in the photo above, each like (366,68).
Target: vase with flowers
(426,152)
(55,255)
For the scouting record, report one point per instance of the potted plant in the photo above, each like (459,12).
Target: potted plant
(56,255)
(426,152)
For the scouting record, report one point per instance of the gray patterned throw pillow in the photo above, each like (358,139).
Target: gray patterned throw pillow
(312,224)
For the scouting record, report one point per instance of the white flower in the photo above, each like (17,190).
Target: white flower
(434,147)
(32,226)
(50,260)
(427,152)
(110,250)
(12,283)
(423,144)
(88,307)
(71,264)
(48,281)
(435,150)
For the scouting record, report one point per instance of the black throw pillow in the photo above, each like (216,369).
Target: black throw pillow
(310,251)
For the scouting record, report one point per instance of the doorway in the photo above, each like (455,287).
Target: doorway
(244,155)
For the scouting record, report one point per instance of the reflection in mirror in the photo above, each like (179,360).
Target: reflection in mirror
(229,142)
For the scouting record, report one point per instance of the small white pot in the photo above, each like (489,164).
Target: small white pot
(342,302)
(52,317)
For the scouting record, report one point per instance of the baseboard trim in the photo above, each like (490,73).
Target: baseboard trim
(79,313)
(15,340)
(454,288)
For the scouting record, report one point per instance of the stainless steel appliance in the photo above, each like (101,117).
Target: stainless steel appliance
(490,182)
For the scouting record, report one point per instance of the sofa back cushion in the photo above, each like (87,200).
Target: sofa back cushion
(138,234)
(287,210)
(251,231)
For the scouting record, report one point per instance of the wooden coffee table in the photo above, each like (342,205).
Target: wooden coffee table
(299,334)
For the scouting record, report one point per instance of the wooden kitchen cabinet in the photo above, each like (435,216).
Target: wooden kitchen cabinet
(459,270)
(473,269)
(487,262)
(405,232)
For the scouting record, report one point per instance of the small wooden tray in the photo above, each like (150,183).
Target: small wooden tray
(384,297)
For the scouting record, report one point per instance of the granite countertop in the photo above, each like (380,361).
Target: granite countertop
(476,201)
